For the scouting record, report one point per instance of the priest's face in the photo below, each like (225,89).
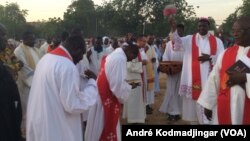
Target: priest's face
(203,28)
(78,55)
(30,40)
(141,42)
(241,33)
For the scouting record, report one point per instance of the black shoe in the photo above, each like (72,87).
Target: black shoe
(148,110)
(174,117)
(170,117)
(177,117)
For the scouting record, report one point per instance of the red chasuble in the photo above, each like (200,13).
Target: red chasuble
(196,74)
(223,100)
(110,105)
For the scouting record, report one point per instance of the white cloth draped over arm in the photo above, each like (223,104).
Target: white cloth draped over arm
(178,46)
(116,71)
(134,66)
(167,52)
(208,97)
(26,73)
(134,70)
(74,100)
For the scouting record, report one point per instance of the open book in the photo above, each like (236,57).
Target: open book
(240,67)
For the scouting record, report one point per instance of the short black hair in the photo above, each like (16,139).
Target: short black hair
(181,26)
(75,43)
(132,48)
(26,35)
(64,35)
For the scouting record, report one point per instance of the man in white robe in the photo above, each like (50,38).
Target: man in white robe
(141,42)
(56,100)
(134,108)
(158,59)
(221,85)
(150,72)
(95,55)
(172,103)
(29,56)
(83,66)
(200,50)
(103,120)
(44,47)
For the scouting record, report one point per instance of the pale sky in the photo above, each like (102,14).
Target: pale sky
(45,9)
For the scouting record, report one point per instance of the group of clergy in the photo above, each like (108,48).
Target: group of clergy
(205,92)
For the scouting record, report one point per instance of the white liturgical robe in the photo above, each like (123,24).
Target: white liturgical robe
(116,71)
(56,102)
(208,97)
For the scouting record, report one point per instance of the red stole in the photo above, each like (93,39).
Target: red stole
(223,100)
(110,105)
(196,74)
(59,51)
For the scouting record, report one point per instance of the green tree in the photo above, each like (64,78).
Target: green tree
(81,13)
(144,16)
(245,8)
(14,19)
(53,26)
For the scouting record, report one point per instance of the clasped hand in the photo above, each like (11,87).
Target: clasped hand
(204,57)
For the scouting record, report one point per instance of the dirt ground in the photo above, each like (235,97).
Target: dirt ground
(158,118)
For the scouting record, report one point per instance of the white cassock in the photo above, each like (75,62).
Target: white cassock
(172,103)
(25,76)
(150,95)
(192,111)
(134,108)
(109,49)
(144,57)
(56,102)
(208,97)
(156,65)
(116,70)
(82,66)
(96,58)
(44,48)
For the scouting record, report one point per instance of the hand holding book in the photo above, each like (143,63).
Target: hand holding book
(237,74)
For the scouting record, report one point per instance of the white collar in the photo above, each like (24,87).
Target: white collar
(203,36)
